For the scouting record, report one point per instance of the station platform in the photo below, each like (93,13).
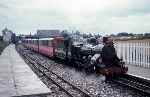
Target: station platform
(16,77)
(139,71)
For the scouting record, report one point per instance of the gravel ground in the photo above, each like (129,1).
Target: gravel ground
(55,91)
(92,83)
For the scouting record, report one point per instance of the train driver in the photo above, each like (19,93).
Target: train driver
(109,56)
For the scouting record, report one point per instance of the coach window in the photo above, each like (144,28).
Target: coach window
(49,43)
(35,42)
(43,42)
(46,42)
(40,42)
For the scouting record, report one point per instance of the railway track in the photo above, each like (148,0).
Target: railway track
(64,85)
(134,82)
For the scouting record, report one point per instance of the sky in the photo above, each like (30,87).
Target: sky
(105,16)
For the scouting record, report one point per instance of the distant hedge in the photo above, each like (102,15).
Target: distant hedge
(2,45)
(1,38)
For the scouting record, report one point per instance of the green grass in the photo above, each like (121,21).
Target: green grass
(2,45)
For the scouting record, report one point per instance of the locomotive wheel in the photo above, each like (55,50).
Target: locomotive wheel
(90,69)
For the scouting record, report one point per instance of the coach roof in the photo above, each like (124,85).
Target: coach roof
(46,38)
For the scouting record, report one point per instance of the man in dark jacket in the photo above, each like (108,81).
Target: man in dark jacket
(109,56)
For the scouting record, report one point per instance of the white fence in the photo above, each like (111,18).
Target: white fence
(134,52)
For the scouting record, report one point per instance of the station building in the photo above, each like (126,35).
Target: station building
(48,33)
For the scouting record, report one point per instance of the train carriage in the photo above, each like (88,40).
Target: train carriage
(46,46)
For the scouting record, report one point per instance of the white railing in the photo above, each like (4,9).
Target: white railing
(134,52)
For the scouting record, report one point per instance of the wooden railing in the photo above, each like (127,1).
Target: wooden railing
(134,52)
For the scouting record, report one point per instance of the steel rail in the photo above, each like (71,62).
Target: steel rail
(140,84)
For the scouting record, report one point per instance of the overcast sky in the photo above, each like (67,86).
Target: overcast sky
(109,16)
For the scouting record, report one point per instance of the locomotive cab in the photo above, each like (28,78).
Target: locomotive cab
(110,65)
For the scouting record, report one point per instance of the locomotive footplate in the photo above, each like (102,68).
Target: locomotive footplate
(113,71)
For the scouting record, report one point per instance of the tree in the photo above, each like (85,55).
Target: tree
(147,35)
(122,34)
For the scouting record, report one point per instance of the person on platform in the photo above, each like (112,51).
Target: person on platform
(109,56)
